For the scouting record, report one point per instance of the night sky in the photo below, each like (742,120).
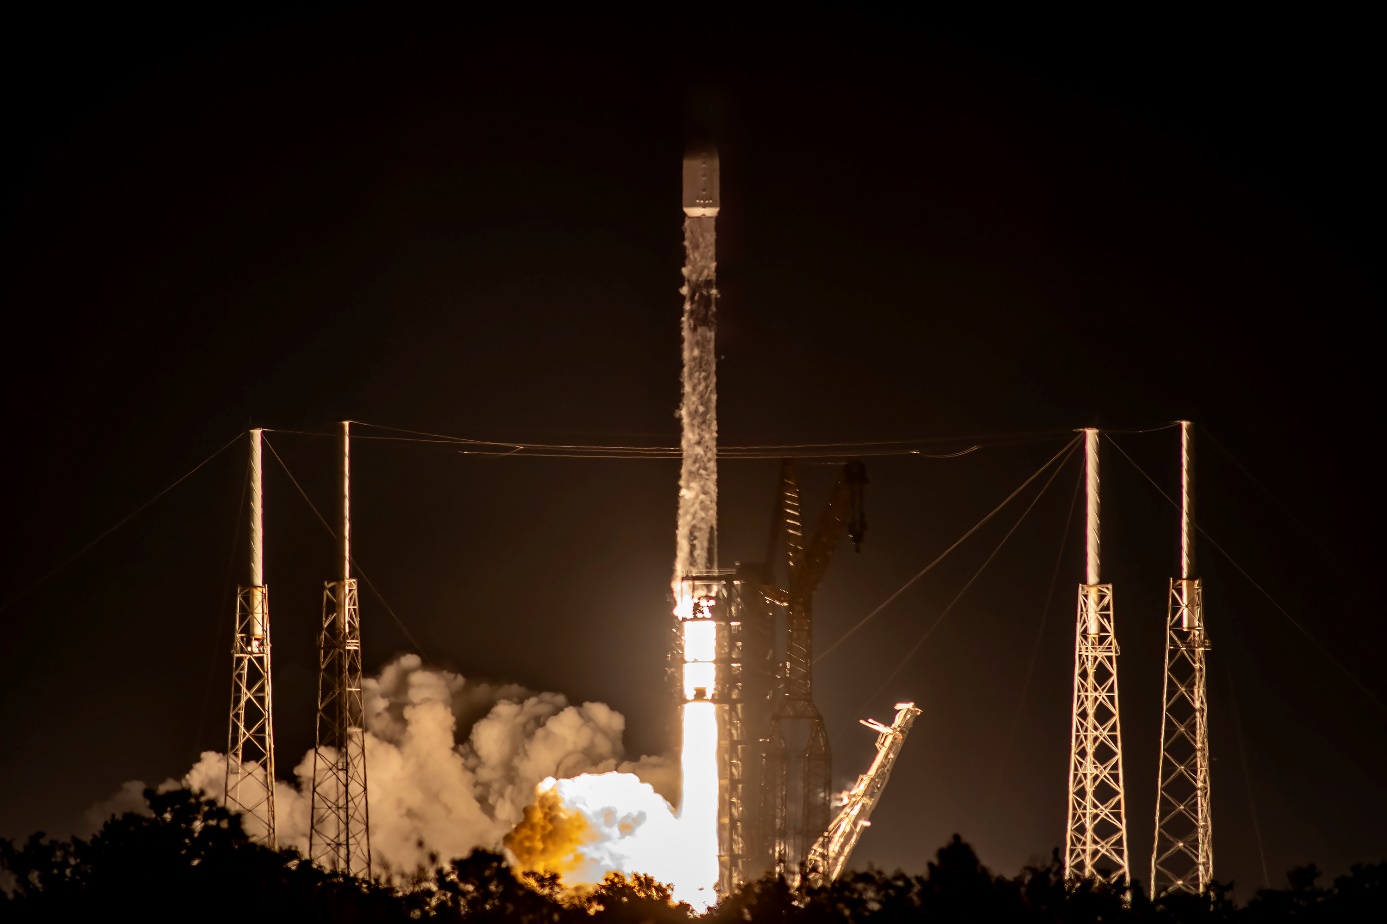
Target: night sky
(929,230)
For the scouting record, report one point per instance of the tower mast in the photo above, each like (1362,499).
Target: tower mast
(1183,856)
(250,761)
(1096,830)
(339,837)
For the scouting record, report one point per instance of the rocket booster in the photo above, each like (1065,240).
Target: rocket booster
(701,182)
(696,545)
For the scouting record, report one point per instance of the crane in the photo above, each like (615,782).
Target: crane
(831,851)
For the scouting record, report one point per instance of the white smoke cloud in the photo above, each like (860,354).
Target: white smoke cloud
(451,765)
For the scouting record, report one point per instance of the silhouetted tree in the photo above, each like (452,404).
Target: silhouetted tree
(637,900)
(189,860)
(482,887)
(769,899)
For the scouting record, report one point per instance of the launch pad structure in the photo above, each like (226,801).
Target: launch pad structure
(339,835)
(743,653)
(1182,859)
(743,638)
(250,750)
(1096,829)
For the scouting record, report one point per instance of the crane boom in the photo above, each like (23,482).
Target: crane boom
(831,851)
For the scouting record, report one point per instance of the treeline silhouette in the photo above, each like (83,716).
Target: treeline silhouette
(190,860)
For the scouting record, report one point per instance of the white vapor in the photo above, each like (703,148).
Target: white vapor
(451,765)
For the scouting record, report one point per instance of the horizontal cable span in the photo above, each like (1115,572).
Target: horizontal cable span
(925,447)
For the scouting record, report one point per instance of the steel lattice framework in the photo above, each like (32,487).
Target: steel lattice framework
(798,761)
(811,764)
(250,761)
(1096,827)
(1182,859)
(830,854)
(339,837)
(1096,843)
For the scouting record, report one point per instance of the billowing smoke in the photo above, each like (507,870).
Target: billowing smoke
(451,763)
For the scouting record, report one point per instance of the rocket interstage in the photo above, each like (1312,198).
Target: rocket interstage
(696,542)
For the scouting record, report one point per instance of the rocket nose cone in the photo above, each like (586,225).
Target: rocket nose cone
(701,181)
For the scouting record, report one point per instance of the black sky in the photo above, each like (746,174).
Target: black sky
(470,226)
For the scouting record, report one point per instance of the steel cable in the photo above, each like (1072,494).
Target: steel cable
(121,522)
(1262,590)
(977,574)
(942,555)
(355,564)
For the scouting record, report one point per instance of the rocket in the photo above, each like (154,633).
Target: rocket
(696,545)
(701,182)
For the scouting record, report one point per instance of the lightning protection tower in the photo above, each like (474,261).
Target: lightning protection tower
(250,753)
(1096,831)
(339,837)
(1183,857)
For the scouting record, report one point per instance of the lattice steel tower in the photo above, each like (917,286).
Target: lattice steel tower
(339,837)
(1182,859)
(250,751)
(1096,830)
(797,762)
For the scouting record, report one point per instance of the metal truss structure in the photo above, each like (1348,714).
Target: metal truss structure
(800,770)
(1182,859)
(1096,825)
(830,853)
(339,837)
(717,597)
(250,762)
(1096,840)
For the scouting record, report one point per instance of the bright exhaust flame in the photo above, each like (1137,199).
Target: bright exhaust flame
(585,827)
(698,816)
(590,825)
